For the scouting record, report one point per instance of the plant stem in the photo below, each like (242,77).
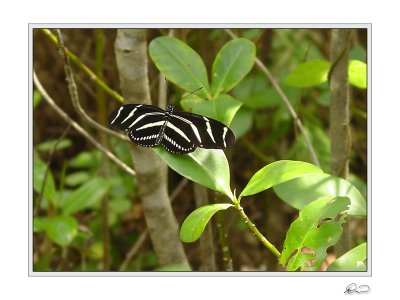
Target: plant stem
(85,68)
(256,232)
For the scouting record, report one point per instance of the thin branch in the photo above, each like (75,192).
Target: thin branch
(85,68)
(286,101)
(78,128)
(39,199)
(73,91)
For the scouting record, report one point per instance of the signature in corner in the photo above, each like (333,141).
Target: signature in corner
(356,289)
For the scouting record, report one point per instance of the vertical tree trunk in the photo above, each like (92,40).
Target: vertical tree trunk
(339,110)
(131,56)
(339,117)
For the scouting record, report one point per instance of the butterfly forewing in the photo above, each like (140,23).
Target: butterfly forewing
(125,117)
(207,132)
(178,132)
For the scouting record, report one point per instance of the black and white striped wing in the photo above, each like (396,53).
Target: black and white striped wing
(204,132)
(176,139)
(143,122)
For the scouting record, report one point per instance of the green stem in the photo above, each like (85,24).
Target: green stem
(85,69)
(256,232)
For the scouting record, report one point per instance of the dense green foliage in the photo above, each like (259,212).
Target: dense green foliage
(72,195)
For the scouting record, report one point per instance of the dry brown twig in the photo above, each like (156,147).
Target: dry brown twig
(78,128)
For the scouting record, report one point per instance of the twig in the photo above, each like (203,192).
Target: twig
(85,68)
(39,199)
(286,101)
(78,128)
(73,91)
(256,232)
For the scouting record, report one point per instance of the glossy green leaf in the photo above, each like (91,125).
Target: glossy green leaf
(233,62)
(353,260)
(39,171)
(208,167)
(190,102)
(180,64)
(86,196)
(194,224)
(242,122)
(61,229)
(276,173)
(358,74)
(222,108)
(318,227)
(303,190)
(77,178)
(49,144)
(310,73)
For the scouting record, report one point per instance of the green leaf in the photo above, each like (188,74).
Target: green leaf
(37,98)
(39,170)
(190,102)
(358,74)
(194,224)
(180,64)
(242,122)
(77,178)
(222,108)
(276,173)
(309,74)
(301,191)
(39,224)
(233,62)
(353,260)
(48,145)
(87,195)
(208,167)
(119,205)
(61,229)
(86,159)
(318,227)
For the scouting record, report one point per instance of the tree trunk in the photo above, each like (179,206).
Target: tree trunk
(339,118)
(151,179)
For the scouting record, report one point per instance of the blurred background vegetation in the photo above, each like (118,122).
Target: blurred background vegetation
(69,228)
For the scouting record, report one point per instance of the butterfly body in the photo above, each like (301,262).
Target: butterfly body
(178,132)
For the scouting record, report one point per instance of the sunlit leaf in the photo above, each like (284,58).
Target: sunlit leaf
(353,260)
(358,74)
(208,167)
(309,74)
(303,190)
(194,224)
(318,227)
(276,173)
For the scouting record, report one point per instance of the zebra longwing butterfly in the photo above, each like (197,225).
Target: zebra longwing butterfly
(178,132)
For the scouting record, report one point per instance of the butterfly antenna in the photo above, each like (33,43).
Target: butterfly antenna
(192,92)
